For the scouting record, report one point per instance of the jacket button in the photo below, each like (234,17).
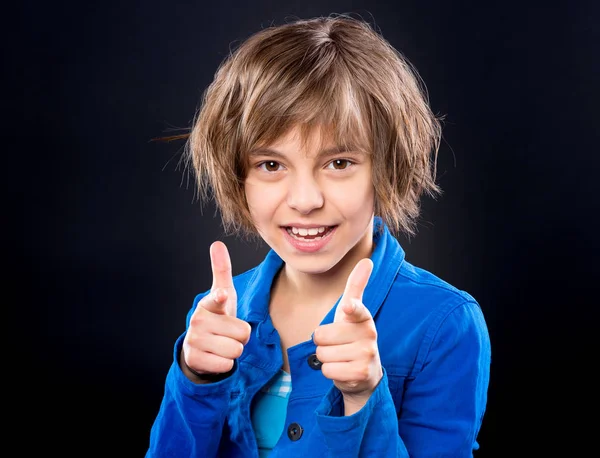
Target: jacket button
(295,431)
(314,362)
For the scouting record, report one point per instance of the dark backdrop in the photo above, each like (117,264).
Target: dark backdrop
(109,246)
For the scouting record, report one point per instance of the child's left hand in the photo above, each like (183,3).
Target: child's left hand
(348,346)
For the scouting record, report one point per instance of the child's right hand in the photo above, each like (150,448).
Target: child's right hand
(215,336)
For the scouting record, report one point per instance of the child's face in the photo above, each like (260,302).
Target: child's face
(313,207)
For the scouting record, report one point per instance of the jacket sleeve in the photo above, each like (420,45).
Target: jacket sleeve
(191,416)
(443,402)
(445,399)
(372,431)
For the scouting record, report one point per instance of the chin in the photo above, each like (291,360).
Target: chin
(311,264)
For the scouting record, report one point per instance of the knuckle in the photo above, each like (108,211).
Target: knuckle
(363,373)
(246,330)
(238,350)
(197,341)
(241,331)
(194,361)
(320,352)
(190,342)
(198,319)
(191,339)
(317,335)
(225,366)
(369,351)
(371,332)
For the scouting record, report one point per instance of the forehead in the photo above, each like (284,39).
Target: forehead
(312,140)
(307,139)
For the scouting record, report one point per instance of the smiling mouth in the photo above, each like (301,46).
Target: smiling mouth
(316,233)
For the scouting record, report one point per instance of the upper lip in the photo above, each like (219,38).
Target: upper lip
(306,226)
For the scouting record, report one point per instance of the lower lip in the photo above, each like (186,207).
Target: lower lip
(308,246)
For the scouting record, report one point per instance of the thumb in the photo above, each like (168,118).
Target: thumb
(350,307)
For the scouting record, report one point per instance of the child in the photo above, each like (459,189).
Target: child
(317,136)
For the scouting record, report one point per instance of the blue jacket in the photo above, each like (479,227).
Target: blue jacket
(434,348)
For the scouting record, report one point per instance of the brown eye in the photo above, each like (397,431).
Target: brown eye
(270,166)
(339,164)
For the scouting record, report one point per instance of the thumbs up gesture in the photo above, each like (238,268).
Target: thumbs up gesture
(348,346)
(215,336)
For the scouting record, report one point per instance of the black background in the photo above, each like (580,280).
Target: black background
(108,245)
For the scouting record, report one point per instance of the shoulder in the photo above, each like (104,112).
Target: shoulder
(406,287)
(420,292)
(428,285)
(427,311)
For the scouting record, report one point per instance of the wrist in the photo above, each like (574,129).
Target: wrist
(208,377)
(354,402)
(199,377)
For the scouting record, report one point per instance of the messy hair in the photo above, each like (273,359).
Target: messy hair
(334,71)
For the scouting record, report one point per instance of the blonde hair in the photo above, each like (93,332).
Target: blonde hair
(335,71)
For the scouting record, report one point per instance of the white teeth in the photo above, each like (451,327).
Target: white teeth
(303,232)
(312,231)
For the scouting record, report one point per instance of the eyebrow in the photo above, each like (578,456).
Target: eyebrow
(323,153)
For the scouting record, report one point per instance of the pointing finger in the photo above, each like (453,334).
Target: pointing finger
(355,286)
(221,266)
(354,311)
(223,297)
(216,301)
(342,332)
(357,281)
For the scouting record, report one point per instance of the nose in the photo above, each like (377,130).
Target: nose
(304,194)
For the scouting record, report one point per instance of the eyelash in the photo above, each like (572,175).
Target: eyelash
(262,165)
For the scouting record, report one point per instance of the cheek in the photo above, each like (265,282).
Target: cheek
(262,200)
(353,197)
(251,193)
